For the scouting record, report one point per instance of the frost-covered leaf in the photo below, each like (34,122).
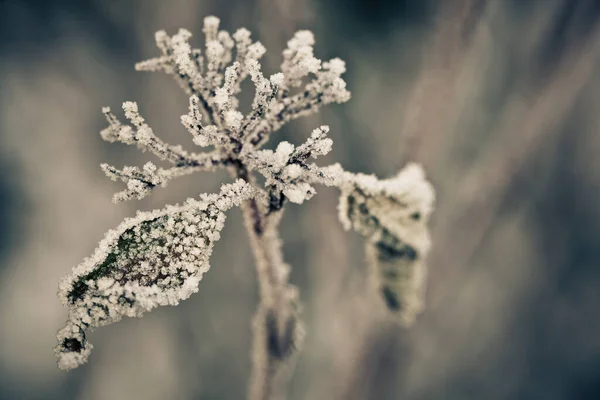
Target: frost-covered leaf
(156,258)
(392,215)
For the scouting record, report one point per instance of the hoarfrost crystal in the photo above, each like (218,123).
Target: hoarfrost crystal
(154,259)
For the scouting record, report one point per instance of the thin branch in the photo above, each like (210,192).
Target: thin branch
(140,182)
(277,329)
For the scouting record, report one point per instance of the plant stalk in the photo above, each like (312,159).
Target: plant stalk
(276,326)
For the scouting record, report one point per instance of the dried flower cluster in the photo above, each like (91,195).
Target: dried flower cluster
(159,257)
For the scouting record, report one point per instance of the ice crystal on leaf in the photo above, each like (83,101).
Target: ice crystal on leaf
(157,258)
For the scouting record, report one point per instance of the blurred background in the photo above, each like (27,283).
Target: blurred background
(500,100)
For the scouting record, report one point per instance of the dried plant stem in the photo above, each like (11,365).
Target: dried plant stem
(276,326)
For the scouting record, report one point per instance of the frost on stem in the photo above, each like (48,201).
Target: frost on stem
(154,259)
(392,215)
(286,169)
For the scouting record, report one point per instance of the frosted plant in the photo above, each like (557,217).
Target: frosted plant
(158,258)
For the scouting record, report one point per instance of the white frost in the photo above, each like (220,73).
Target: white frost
(392,214)
(155,259)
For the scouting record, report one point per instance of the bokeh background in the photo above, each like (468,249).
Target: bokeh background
(500,100)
